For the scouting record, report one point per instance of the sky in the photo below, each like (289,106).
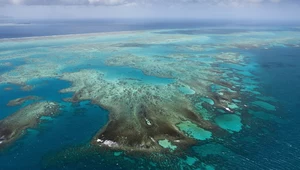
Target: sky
(182,9)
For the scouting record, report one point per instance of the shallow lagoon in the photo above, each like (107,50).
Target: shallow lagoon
(220,90)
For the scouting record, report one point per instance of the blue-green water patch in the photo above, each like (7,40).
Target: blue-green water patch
(208,167)
(236,101)
(192,130)
(47,89)
(117,153)
(229,122)
(8,65)
(167,144)
(264,105)
(191,160)
(115,73)
(233,106)
(218,88)
(207,100)
(186,90)
(206,115)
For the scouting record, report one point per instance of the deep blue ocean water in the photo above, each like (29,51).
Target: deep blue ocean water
(29,28)
(76,124)
(279,76)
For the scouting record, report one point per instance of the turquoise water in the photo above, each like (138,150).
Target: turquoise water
(255,125)
(9,65)
(47,89)
(280,79)
(121,73)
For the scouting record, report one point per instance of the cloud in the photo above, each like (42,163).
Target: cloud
(179,9)
(65,2)
(128,2)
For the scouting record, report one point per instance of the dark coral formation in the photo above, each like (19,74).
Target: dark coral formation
(13,126)
(143,129)
(20,101)
(141,115)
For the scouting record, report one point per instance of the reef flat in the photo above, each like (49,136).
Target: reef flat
(14,125)
(20,101)
(165,90)
(140,114)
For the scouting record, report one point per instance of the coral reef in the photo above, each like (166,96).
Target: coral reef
(140,114)
(163,91)
(20,101)
(12,127)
